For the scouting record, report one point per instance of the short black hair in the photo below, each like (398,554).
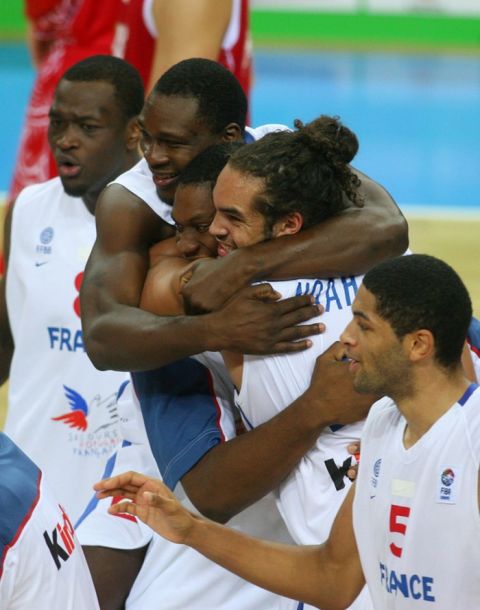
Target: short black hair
(221,99)
(304,171)
(207,165)
(421,291)
(125,79)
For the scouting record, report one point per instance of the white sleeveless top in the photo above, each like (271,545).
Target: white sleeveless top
(309,498)
(62,410)
(42,565)
(416,515)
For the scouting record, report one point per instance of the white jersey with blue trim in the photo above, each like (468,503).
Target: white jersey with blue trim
(173,418)
(310,496)
(42,565)
(61,410)
(416,514)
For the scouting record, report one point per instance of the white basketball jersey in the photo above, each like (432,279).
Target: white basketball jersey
(310,496)
(42,565)
(416,515)
(62,411)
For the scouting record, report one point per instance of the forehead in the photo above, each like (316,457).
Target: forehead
(173,114)
(80,98)
(192,202)
(236,189)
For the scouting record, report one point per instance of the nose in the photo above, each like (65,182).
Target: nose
(188,243)
(347,336)
(68,138)
(217,228)
(155,153)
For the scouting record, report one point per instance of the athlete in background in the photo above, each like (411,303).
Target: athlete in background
(61,410)
(41,561)
(60,33)
(153,35)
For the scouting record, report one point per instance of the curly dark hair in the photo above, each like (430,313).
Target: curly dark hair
(207,165)
(421,291)
(125,79)
(305,170)
(221,99)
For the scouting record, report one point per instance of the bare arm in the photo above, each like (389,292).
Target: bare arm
(347,244)
(187,29)
(237,473)
(6,339)
(233,475)
(328,576)
(118,335)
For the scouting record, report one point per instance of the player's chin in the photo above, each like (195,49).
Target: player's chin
(72,188)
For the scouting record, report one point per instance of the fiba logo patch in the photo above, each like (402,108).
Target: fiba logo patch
(448,483)
(376,472)
(448,476)
(46,237)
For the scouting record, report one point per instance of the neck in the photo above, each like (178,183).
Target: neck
(435,390)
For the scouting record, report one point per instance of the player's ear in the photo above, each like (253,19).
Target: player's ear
(132,134)
(419,344)
(289,224)
(232,133)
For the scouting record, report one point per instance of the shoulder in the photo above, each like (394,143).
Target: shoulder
(19,490)
(139,183)
(39,192)
(383,412)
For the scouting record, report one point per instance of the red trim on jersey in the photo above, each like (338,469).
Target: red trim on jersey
(22,525)
(473,348)
(218,408)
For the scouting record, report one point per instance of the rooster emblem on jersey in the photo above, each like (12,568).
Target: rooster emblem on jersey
(79,415)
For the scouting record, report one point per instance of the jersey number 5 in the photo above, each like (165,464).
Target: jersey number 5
(396,526)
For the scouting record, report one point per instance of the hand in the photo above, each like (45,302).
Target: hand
(151,501)
(331,389)
(254,321)
(354,449)
(208,287)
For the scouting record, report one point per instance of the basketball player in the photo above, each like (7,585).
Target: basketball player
(153,35)
(192,436)
(195,104)
(418,479)
(41,562)
(61,410)
(255,201)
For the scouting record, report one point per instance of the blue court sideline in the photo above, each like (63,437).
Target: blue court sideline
(417,116)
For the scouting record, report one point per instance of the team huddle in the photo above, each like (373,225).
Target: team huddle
(231,385)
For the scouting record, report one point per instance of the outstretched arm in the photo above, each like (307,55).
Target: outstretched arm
(328,576)
(187,29)
(347,244)
(118,335)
